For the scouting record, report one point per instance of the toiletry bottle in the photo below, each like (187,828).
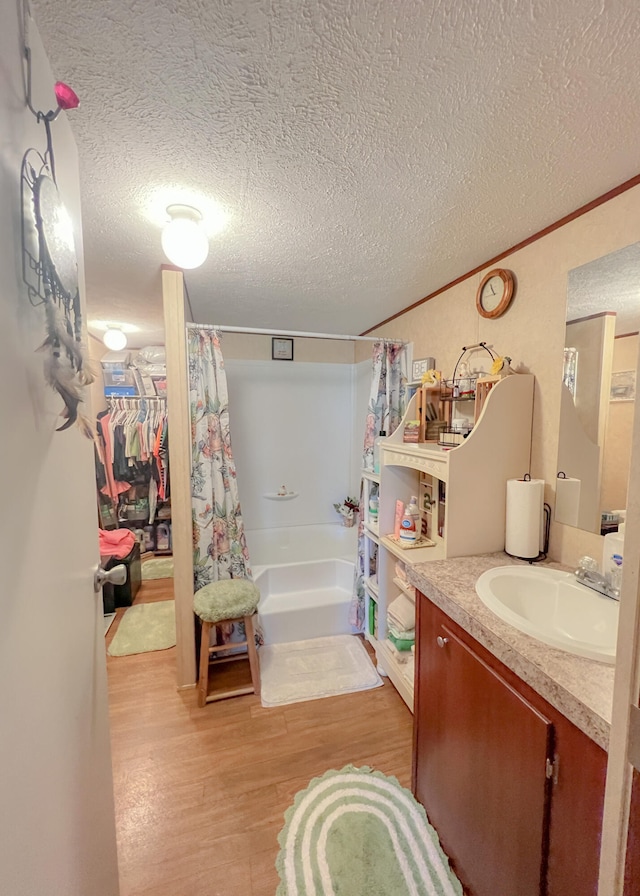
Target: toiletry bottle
(408,532)
(414,510)
(613,554)
(373,509)
(615,576)
(376,451)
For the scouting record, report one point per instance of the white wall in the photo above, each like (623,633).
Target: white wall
(57,830)
(291,424)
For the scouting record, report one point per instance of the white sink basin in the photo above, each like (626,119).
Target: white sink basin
(553,607)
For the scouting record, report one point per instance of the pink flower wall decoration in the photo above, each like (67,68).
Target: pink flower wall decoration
(66,97)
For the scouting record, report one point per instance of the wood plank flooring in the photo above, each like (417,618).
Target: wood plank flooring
(201,793)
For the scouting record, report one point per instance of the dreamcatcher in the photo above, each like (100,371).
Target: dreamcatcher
(49,264)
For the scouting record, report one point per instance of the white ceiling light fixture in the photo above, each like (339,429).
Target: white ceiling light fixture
(114,339)
(184,240)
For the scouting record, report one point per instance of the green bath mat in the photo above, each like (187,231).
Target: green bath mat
(157,568)
(145,627)
(357,832)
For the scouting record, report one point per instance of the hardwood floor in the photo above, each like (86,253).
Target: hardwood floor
(201,793)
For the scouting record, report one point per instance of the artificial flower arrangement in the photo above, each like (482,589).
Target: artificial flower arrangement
(431,377)
(501,366)
(347,510)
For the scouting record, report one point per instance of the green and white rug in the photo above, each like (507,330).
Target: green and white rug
(145,627)
(357,832)
(157,568)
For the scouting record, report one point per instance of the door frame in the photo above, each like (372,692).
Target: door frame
(175,321)
(625,692)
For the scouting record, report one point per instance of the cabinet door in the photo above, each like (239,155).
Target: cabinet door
(481,752)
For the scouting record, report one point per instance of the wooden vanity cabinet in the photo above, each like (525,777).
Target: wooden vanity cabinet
(514,790)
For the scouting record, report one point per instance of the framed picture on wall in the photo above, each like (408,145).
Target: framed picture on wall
(623,385)
(281,349)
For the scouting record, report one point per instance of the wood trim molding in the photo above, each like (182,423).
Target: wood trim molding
(173,300)
(611,194)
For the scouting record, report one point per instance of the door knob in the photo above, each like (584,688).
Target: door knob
(115,576)
(442,642)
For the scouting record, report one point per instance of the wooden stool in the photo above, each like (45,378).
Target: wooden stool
(227,601)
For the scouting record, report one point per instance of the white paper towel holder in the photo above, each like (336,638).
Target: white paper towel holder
(546,508)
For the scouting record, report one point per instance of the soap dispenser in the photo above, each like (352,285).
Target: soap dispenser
(613,555)
(408,530)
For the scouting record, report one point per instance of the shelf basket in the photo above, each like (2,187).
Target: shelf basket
(459,389)
(450,438)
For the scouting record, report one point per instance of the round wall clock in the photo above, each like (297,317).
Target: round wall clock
(495,293)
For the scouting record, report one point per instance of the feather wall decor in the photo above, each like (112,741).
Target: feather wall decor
(49,264)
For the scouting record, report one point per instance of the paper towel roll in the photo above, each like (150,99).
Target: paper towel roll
(567,500)
(524,524)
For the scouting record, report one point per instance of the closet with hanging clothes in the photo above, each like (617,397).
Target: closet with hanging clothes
(132,470)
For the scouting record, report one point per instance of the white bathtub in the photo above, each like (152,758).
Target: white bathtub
(299,544)
(305,577)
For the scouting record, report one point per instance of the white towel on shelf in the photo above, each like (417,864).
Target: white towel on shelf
(402,612)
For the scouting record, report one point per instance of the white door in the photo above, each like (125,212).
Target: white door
(57,830)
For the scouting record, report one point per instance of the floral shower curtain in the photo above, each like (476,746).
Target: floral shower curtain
(386,408)
(219,544)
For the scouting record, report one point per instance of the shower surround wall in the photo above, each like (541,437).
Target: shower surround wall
(299,424)
(292,424)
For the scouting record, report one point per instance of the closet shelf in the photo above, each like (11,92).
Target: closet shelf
(273,496)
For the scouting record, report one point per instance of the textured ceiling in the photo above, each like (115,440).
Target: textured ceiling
(365,152)
(610,283)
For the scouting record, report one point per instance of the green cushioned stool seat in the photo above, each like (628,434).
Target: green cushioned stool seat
(233,601)
(226,599)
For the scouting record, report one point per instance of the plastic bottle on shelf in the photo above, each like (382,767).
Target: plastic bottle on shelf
(613,555)
(414,510)
(376,451)
(408,530)
(373,509)
(162,537)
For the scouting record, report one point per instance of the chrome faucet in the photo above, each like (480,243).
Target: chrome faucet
(588,574)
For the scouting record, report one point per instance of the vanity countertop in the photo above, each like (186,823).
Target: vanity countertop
(581,689)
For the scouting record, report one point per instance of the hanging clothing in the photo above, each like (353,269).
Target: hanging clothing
(386,408)
(219,543)
(112,487)
(132,447)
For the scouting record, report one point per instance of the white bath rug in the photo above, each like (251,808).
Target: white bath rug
(308,670)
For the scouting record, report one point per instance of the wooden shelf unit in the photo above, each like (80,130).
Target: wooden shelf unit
(466,492)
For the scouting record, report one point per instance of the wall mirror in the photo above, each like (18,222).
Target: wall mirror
(598,391)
